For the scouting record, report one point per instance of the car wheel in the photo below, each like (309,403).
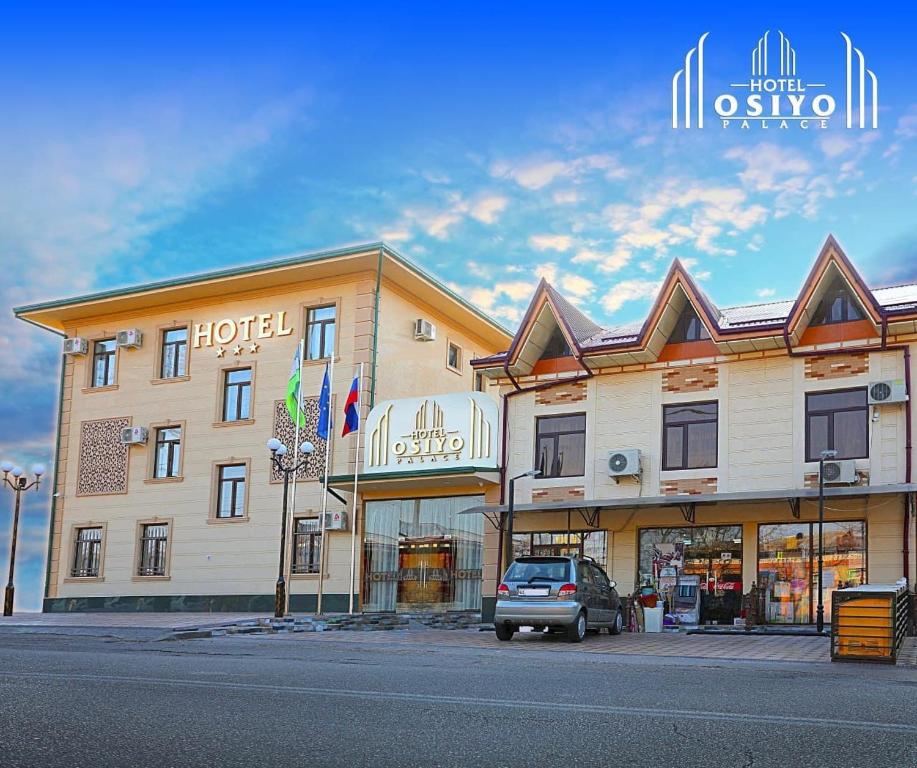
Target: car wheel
(577,630)
(504,632)
(617,625)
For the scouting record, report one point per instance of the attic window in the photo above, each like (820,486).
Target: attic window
(557,346)
(688,328)
(837,306)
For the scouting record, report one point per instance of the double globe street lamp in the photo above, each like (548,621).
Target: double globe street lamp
(19,483)
(287,468)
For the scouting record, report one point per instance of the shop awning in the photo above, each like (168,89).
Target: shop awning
(688,503)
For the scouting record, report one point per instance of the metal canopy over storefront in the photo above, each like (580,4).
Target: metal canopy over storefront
(589,509)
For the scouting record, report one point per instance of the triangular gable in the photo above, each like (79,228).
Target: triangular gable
(548,313)
(832,263)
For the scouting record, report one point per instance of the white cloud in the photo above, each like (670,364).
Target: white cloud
(577,285)
(566,197)
(765,293)
(396,235)
(538,173)
(835,144)
(607,261)
(629,290)
(560,243)
(487,209)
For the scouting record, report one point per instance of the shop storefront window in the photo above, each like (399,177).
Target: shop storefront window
(423,555)
(788,567)
(707,559)
(582,543)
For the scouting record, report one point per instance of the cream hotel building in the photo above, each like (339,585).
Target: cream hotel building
(683,447)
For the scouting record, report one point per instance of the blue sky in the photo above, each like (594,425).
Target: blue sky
(492,143)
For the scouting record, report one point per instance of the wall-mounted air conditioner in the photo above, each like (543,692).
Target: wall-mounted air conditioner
(134,435)
(841,472)
(883,392)
(624,463)
(424,330)
(130,339)
(76,345)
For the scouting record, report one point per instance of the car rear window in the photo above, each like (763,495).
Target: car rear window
(539,570)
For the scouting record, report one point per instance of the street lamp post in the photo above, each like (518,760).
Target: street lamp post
(278,451)
(820,610)
(509,516)
(19,483)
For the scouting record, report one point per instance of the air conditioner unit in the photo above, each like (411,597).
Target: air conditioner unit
(76,346)
(624,463)
(424,330)
(840,472)
(133,435)
(336,521)
(891,391)
(131,338)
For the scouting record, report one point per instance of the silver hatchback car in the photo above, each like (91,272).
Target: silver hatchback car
(568,593)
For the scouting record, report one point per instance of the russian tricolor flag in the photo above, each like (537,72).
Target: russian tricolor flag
(352,408)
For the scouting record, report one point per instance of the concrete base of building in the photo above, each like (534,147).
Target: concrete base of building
(331,603)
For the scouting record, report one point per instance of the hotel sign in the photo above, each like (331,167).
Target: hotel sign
(454,430)
(773,95)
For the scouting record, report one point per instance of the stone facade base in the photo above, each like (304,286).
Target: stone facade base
(332,603)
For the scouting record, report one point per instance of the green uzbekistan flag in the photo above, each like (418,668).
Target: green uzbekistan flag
(293,385)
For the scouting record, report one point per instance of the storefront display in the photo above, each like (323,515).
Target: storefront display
(422,555)
(788,566)
(710,554)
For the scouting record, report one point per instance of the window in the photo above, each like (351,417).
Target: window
(154,541)
(560,445)
(237,394)
(320,332)
(689,435)
(688,328)
(478,381)
(836,306)
(174,353)
(837,421)
(231,491)
(103,362)
(454,357)
(87,553)
(307,545)
(557,345)
(168,452)
(581,543)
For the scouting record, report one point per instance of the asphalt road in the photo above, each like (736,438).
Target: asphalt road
(129,699)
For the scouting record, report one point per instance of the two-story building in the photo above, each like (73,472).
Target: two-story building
(684,450)
(165,497)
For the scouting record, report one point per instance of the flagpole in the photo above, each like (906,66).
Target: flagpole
(328,447)
(356,477)
(291,524)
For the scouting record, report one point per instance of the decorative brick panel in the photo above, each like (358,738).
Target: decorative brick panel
(103,459)
(690,378)
(690,487)
(811,478)
(574,392)
(566,493)
(837,366)
(285,431)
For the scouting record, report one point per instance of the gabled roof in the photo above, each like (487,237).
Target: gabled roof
(732,329)
(277,274)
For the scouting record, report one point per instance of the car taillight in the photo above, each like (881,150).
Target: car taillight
(503,591)
(567,590)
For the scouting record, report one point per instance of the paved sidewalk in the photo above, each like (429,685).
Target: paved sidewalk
(126,620)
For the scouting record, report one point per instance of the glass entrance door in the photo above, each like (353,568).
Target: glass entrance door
(424,574)
(788,567)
